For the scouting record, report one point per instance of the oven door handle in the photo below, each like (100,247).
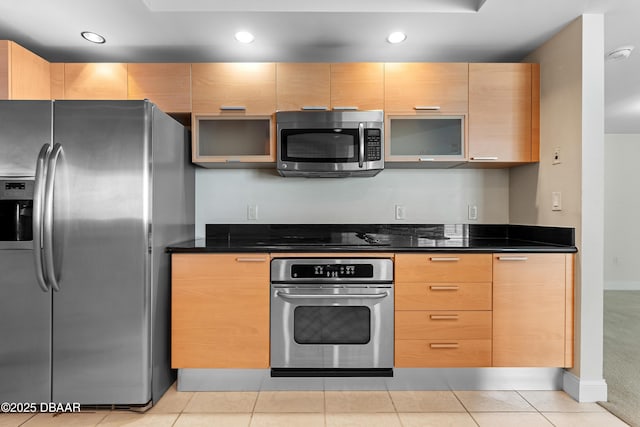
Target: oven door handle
(285,295)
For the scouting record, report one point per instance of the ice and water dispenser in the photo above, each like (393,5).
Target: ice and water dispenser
(16,209)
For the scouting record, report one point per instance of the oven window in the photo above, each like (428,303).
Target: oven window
(319,145)
(332,325)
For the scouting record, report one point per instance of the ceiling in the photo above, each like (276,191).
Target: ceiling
(326,31)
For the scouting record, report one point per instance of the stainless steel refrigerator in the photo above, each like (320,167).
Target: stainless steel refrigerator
(91,192)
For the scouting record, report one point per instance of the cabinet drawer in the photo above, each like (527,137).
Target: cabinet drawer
(443,268)
(443,296)
(442,353)
(413,325)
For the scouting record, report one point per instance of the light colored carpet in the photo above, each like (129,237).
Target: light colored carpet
(622,354)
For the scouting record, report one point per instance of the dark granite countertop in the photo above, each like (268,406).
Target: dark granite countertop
(221,238)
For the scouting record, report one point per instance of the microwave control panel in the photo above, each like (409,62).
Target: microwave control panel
(374,144)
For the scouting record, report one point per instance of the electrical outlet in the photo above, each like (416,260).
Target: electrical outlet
(252,212)
(556,156)
(401,212)
(473,212)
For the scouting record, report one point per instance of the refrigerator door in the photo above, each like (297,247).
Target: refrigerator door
(24,127)
(101,348)
(25,331)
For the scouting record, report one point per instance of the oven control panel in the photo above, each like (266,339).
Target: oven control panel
(370,270)
(302,271)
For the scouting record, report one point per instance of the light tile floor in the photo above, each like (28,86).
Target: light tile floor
(342,408)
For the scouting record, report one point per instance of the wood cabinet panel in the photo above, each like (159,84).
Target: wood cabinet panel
(23,74)
(530,310)
(416,325)
(57,80)
(433,268)
(249,85)
(166,85)
(300,85)
(357,84)
(220,311)
(4,69)
(500,112)
(443,296)
(442,353)
(99,81)
(29,75)
(443,86)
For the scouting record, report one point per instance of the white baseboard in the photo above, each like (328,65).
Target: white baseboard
(627,285)
(584,390)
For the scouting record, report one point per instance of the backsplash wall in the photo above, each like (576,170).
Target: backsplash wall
(223,196)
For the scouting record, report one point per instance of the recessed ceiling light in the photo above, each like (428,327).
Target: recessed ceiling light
(93,37)
(396,37)
(620,53)
(244,37)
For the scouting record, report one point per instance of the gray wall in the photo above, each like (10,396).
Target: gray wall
(429,196)
(621,209)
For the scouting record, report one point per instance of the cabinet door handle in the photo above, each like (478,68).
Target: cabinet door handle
(233,108)
(444,288)
(346,108)
(444,259)
(240,259)
(444,345)
(426,107)
(426,159)
(315,108)
(513,258)
(443,317)
(485,158)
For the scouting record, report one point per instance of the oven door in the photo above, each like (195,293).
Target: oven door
(330,327)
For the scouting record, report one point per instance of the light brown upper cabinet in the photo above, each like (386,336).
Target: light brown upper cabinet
(504,113)
(233,88)
(166,85)
(23,74)
(533,310)
(303,86)
(323,86)
(426,109)
(93,81)
(426,87)
(357,85)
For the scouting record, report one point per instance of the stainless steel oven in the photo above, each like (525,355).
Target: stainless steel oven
(331,317)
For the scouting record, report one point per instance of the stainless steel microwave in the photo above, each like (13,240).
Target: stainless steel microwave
(330,143)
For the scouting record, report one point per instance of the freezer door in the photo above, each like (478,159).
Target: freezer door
(25,331)
(25,126)
(100,253)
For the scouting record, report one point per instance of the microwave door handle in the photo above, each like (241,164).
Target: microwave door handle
(361,144)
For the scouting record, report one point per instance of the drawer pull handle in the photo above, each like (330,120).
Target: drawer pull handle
(443,317)
(233,108)
(427,108)
(444,259)
(513,258)
(444,345)
(444,288)
(251,259)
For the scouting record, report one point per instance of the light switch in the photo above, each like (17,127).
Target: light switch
(556,201)
(401,212)
(473,212)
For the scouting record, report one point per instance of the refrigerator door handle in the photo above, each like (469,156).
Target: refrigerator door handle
(38,202)
(49,263)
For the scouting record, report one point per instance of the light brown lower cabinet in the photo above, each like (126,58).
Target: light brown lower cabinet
(220,311)
(533,310)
